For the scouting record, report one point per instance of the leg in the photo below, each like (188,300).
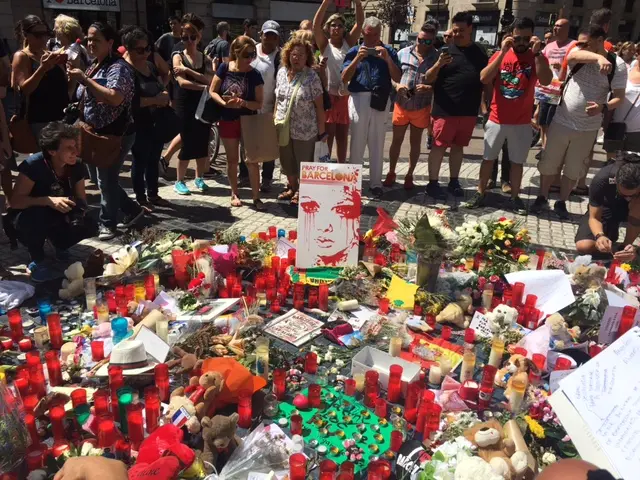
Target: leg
(254,179)
(435,161)
(267,173)
(152,171)
(443,134)
(342,139)
(585,241)
(576,163)
(375,142)
(232,146)
(415,140)
(462,137)
(182,170)
(494,138)
(518,145)
(396,143)
(330,128)
(6,182)
(554,156)
(515,179)
(201,166)
(485,175)
(141,158)
(174,146)
(505,165)
(125,203)
(33,225)
(455,161)
(494,173)
(359,113)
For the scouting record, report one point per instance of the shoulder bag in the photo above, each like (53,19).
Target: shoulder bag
(22,138)
(283,127)
(615,133)
(209,111)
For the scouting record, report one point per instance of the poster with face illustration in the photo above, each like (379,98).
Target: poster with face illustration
(329,215)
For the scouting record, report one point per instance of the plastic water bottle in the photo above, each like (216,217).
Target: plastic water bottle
(74,50)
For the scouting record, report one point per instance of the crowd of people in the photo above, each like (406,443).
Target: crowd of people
(122,92)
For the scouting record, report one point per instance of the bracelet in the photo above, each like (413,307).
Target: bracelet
(600,234)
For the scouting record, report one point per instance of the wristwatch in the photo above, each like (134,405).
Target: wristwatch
(600,234)
(538,53)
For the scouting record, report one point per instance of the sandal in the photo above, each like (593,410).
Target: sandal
(286,195)
(295,199)
(235,201)
(259,205)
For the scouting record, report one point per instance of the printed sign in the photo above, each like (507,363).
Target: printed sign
(101,5)
(329,215)
(294,327)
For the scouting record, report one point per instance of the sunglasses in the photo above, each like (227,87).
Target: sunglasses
(142,50)
(425,41)
(522,39)
(446,36)
(40,34)
(336,25)
(186,38)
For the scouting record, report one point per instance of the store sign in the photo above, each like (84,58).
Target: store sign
(101,5)
(490,18)
(544,19)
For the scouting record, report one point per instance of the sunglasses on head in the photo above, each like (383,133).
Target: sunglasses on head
(186,38)
(142,50)
(522,39)
(425,41)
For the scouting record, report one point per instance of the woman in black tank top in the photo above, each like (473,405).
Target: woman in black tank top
(39,75)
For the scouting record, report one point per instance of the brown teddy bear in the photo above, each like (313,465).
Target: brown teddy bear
(203,392)
(496,450)
(518,366)
(220,439)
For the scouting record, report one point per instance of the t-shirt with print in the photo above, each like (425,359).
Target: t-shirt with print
(240,84)
(45,183)
(555,54)
(265,64)
(457,90)
(512,101)
(588,85)
(371,72)
(603,192)
(303,121)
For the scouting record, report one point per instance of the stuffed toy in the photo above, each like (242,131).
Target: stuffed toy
(501,318)
(589,276)
(560,335)
(203,391)
(456,312)
(497,450)
(73,284)
(220,439)
(188,362)
(518,366)
(176,402)
(634,290)
(475,468)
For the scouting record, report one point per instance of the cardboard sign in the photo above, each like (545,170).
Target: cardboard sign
(329,215)
(294,327)
(481,325)
(610,323)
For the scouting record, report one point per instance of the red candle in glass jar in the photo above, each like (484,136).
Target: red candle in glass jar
(38,385)
(411,402)
(279,382)
(421,418)
(15,323)
(383,305)
(293,234)
(110,297)
(161,372)
(394,387)
(291,256)
(562,364)
(25,344)
(486,387)
(350,387)
(30,402)
(627,320)
(381,408)
(298,304)
(55,330)
(431,320)
(323,297)
(540,254)
(35,459)
(78,397)
(311,363)
(314,395)
(328,469)
(275,264)
(446,333)
(101,402)
(97,350)
(371,394)
(7,343)
(152,407)
(135,425)
(123,450)
(22,385)
(297,467)
(244,409)
(371,377)
(34,363)
(107,434)
(313,297)
(417,309)
(130,291)
(57,416)
(396,440)
(348,468)
(32,428)
(116,378)
(296,425)
(433,418)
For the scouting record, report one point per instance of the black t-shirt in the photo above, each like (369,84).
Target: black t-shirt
(218,49)
(146,87)
(603,192)
(166,45)
(240,84)
(458,90)
(37,169)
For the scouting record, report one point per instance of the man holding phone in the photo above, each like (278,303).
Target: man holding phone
(457,91)
(413,102)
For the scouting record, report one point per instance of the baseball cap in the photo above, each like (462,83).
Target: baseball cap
(271,26)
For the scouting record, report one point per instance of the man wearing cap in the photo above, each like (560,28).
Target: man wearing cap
(267,63)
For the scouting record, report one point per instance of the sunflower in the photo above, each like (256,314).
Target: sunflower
(536,429)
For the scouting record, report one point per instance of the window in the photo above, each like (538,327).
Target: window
(578,3)
(628,6)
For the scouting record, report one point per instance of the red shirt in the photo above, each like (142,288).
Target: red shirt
(512,102)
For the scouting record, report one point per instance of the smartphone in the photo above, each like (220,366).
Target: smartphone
(372,52)
(444,49)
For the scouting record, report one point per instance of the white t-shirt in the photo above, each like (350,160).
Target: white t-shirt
(265,64)
(628,109)
(588,85)
(335,60)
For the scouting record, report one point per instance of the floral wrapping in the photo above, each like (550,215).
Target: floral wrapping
(14,437)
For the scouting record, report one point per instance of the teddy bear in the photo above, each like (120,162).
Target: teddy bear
(589,276)
(501,318)
(188,362)
(73,284)
(220,439)
(176,402)
(559,332)
(203,391)
(456,312)
(474,468)
(518,366)
(498,451)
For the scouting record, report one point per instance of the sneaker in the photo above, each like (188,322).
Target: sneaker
(560,208)
(265,186)
(506,188)
(517,206)
(131,218)
(491,184)
(390,180)
(540,204)
(429,142)
(200,185)
(163,167)
(377,192)
(433,190)
(106,233)
(477,201)
(159,202)
(181,188)
(600,139)
(539,155)
(408,182)
(455,188)
(40,272)
(145,204)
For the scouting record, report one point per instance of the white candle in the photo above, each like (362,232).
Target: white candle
(445,366)
(435,374)
(395,346)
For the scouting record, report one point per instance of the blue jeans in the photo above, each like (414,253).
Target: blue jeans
(146,154)
(113,197)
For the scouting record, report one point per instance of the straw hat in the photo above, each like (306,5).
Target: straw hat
(131,356)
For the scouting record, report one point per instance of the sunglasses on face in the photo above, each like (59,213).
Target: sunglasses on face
(336,25)
(186,38)
(446,36)
(250,55)
(425,41)
(142,50)
(522,39)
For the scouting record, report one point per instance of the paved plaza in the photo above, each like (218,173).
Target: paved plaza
(199,215)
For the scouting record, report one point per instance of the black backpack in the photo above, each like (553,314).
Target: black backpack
(576,68)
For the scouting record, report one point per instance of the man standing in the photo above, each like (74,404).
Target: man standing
(369,70)
(267,63)
(577,120)
(457,91)
(165,44)
(514,72)
(218,48)
(413,102)
(555,52)
(250,28)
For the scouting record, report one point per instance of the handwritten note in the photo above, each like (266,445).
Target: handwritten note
(481,325)
(552,287)
(606,393)
(610,323)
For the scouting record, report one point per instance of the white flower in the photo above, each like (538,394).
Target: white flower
(328,357)
(340,363)
(548,458)
(333,371)
(313,348)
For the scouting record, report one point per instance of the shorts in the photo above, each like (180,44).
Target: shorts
(339,111)
(230,129)
(450,131)
(547,111)
(417,118)
(518,139)
(569,148)
(296,152)
(610,228)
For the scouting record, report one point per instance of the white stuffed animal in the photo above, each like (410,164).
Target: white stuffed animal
(475,468)
(73,284)
(502,318)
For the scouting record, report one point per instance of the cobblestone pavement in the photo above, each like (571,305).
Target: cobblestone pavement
(200,214)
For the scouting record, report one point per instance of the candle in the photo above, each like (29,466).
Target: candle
(383,305)
(468,365)
(125,398)
(32,428)
(517,294)
(152,407)
(446,333)
(539,361)
(244,409)
(55,330)
(123,450)
(41,336)
(359,379)
(435,374)
(562,364)
(107,434)
(394,386)
(396,440)
(296,425)
(311,363)
(53,366)
(381,408)
(627,320)
(497,350)
(518,388)
(22,385)
(135,425)
(328,469)
(97,350)
(6,342)
(297,467)
(102,309)
(130,290)
(486,387)
(78,397)
(432,422)
(15,324)
(262,357)
(323,297)
(161,373)
(487,296)
(25,344)
(350,387)
(395,346)
(445,365)
(279,382)
(314,395)
(30,402)
(57,415)
(101,402)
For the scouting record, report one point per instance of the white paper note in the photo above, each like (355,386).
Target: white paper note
(481,325)
(610,323)
(153,344)
(552,287)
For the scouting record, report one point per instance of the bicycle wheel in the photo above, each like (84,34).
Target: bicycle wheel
(214,144)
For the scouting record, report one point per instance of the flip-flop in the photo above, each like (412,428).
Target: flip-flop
(295,199)
(235,201)
(286,195)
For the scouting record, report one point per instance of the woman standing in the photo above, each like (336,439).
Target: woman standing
(334,43)
(627,53)
(298,97)
(629,111)
(238,87)
(150,95)
(106,91)
(189,68)
(38,75)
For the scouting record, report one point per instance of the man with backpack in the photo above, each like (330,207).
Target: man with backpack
(218,48)
(593,74)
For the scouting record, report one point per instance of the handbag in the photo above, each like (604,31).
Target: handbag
(166,124)
(22,138)
(615,133)
(283,127)
(259,138)
(208,111)
(101,151)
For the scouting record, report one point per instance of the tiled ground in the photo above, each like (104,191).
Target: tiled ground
(200,214)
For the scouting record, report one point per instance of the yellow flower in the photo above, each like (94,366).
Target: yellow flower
(523,258)
(626,267)
(505,252)
(498,235)
(523,232)
(536,429)
(368,235)
(506,223)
